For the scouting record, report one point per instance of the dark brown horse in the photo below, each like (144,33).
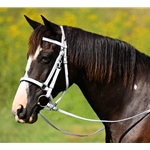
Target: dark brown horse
(113,76)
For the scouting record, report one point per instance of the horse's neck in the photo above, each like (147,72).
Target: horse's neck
(103,98)
(113,101)
(106,98)
(109,98)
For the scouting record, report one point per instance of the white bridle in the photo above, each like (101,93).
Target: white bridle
(49,84)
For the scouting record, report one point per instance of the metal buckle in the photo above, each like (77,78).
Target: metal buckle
(43,101)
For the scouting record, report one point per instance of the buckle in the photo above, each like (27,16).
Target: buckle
(43,101)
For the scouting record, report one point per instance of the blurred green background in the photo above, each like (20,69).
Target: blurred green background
(128,24)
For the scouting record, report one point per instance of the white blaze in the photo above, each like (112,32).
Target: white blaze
(21,94)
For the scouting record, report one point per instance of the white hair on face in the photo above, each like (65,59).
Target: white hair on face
(30,59)
(21,96)
(37,52)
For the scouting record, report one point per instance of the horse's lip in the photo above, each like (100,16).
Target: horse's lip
(31,119)
(17,118)
(34,115)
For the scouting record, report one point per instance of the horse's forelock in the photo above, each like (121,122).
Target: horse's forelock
(35,39)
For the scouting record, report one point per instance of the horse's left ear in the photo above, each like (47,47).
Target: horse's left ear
(54,28)
(32,23)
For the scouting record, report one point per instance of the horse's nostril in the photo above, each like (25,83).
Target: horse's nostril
(20,109)
(21,112)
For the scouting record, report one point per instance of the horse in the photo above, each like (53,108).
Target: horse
(113,76)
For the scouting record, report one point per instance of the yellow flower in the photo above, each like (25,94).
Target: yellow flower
(93,17)
(14,30)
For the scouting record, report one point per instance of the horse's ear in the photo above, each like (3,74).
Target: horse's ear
(33,23)
(55,29)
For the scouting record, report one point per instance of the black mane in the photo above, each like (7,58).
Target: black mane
(104,58)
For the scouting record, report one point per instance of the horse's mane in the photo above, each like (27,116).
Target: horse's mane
(103,58)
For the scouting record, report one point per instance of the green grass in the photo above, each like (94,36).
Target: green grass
(130,25)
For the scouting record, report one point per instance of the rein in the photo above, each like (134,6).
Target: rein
(49,84)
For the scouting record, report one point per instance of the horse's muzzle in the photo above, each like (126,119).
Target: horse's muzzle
(22,116)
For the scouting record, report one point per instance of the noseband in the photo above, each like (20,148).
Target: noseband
(49,83)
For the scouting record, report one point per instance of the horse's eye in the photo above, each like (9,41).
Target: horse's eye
(45,59)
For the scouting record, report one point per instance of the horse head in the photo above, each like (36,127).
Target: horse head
(42,56)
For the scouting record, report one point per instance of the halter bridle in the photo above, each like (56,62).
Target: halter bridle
(49,84)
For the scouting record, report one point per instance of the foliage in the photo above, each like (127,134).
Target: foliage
(130,25)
